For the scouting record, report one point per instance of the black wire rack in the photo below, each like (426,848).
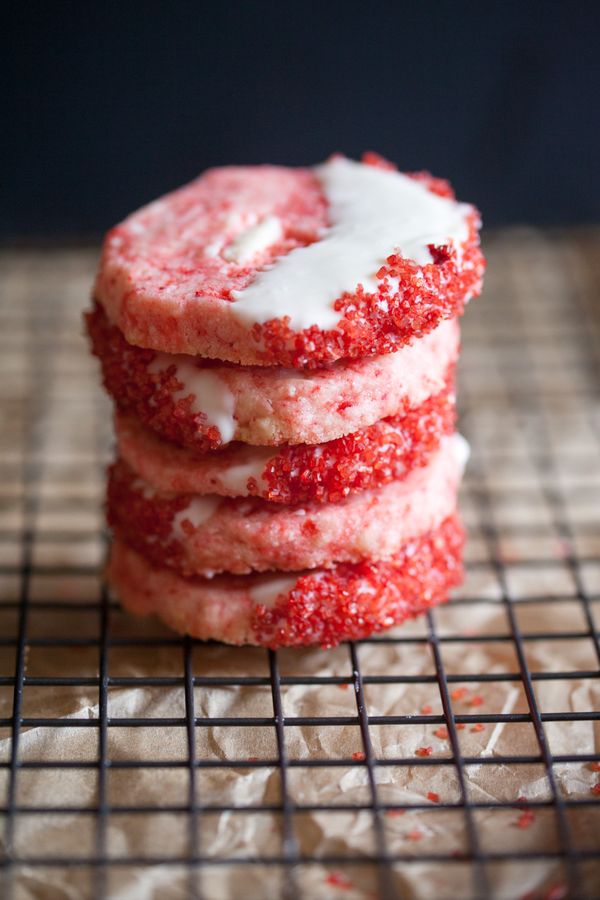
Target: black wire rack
(525,623)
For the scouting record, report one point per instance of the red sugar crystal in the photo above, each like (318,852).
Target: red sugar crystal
(338,879)
(358,755)
(459,693)
(477,700)
(423,751)
(426,710)
(478,727)
(525,819)
(596,789)
(442,733)
(414,835)
(435,798)
(595,766)
(394,813)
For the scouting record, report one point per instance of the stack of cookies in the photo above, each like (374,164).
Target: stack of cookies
(280,345)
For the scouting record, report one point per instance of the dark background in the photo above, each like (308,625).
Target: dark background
(112,104)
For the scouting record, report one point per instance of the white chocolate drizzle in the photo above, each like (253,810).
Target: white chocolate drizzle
(373,212)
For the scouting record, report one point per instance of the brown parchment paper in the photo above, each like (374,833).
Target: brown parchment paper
(68,432)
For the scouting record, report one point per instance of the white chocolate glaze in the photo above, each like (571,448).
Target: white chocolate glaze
(372,213)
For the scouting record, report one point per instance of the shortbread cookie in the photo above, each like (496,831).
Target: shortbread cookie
(324,607)
(195,403)
(204,535)
(323,473)
(266,265)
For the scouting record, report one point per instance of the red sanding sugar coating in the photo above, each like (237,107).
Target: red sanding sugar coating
(411,300)
(369,458)
(126,378)
(355,601)
(203,535)
(167,281)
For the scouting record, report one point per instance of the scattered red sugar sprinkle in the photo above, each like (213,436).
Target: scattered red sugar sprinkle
(414,835)
(522,801)
(460,726)
(478,727)
(338,879)
(476,700)
(442,733)
(359,755)
(343,687)
(426,710)
(596,789)
(253,759)
(394,813)
(459,693)
(356,600)
(433,796)
(595,766)
(423,751)
(525,819)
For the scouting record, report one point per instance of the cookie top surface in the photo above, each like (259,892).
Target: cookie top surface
(268,265)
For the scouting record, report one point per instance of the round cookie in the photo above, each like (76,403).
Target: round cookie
(323,473)
(193,402)
(347,602)
(204,535)
(266,265)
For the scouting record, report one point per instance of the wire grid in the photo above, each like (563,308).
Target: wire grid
(530,407)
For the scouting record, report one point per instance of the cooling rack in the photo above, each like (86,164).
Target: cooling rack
(455,757)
